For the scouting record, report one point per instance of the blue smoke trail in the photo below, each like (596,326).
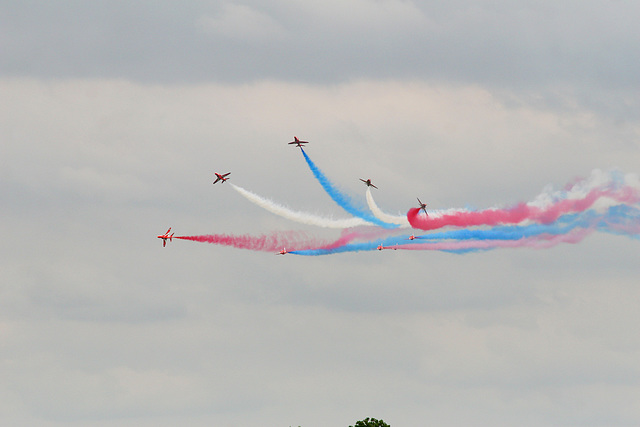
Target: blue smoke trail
(498,233)
(349,247)
(622,220)
(619,220)
(341,199)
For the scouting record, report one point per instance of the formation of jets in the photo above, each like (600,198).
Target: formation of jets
(166,236)
(298,143)
(221,177)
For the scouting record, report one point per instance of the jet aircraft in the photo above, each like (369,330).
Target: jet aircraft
(283,252)
(221,177)
(423,206)
(368,182)
(166,236)
(298,142)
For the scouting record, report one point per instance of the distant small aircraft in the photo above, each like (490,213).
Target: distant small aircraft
(423,206)
(283,252)
(221,177)
(412,237)
(380,247)
(166,236)
(368,182)
(298,142)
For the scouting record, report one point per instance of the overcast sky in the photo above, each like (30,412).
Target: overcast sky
(115,115)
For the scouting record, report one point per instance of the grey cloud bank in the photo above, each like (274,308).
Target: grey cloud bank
(499,43)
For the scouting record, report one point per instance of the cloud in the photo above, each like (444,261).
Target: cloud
(96,313)
(519,46)
(384,18)
(115,116)
(242,23)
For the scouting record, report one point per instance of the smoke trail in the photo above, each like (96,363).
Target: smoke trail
(350,247)
(300,217)
(540,241)
(551,211)
(622,220)
(392,219)
(570,228)
(270,243)
(543,241)
(564,225)
(341,199)
(607,203)
(275,241)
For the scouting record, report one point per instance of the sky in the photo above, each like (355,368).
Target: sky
(115,116)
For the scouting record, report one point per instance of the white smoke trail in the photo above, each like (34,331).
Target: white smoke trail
(301,217)
(582,187)
(393,219)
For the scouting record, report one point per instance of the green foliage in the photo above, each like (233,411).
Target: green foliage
(370,422)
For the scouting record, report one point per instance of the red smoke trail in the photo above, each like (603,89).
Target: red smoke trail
(362,234)
(268,243)
(518,213)
(291,240)
(347,237)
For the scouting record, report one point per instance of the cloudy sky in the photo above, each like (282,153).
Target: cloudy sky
(115,115)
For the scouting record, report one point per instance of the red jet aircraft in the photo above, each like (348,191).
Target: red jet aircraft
(368,182)
(282,252)
(423,206)
(221,177)
(298,142)
(166,236)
